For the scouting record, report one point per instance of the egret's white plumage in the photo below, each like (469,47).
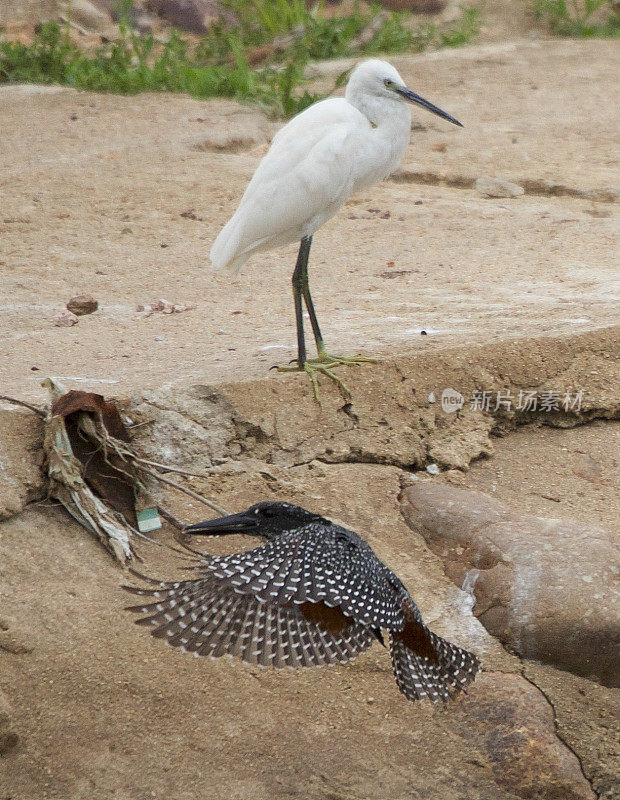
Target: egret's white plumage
(332,149)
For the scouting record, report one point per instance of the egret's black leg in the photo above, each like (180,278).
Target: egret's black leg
(301,270)
(324,362)
(305,290)
(323,356)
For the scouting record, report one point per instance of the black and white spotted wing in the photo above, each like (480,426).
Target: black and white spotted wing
(316,564)
(205,617)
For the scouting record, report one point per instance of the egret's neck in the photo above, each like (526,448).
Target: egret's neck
(391,117)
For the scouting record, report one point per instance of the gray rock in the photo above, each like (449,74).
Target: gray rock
(415,6)
(496,187)
(65,319)
(88,15)
(194,16)
(547,588)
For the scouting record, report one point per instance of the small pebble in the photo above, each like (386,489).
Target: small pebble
(64,319)
(432,469)
(431,397)
(159,338)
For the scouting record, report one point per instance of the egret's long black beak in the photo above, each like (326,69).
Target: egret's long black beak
(234,523)
(412,97)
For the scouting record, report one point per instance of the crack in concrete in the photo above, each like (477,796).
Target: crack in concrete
(533,683)
(241,428)
(368,457)
(532,186)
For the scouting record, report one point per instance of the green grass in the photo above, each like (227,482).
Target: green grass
(584,18)
(219,67)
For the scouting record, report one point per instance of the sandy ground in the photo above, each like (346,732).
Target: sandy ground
(104,711)
(94,189)
(120,198)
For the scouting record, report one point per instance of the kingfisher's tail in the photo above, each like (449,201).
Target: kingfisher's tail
(425,665)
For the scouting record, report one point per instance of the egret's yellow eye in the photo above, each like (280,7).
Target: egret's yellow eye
(388,83)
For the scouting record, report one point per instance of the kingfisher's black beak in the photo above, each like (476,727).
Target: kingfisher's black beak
(412,97)
(234,523)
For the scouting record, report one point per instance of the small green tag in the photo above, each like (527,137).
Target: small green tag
(148,520)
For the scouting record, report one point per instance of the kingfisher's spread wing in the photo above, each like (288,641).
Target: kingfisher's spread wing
(205,617)
(438,673)
(314,565)
(311,596)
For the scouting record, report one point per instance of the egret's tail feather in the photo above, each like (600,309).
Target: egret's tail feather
(225,249)
(243,235)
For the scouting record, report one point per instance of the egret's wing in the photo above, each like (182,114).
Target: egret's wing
(293,145)
(303,180)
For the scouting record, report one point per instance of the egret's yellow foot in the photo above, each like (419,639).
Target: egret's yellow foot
(324,364)
(333,361)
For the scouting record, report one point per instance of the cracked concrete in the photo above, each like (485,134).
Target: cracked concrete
(252,454)
(114,688)
(390,419)
(558,731)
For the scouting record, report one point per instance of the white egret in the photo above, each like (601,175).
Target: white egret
(332,149)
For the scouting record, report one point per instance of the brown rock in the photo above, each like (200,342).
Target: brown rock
(8,737)
(82,304)
(545,587)
(194,16)
(11,643)
(514,725)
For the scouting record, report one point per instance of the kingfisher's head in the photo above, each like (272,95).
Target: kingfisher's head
(267,519)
